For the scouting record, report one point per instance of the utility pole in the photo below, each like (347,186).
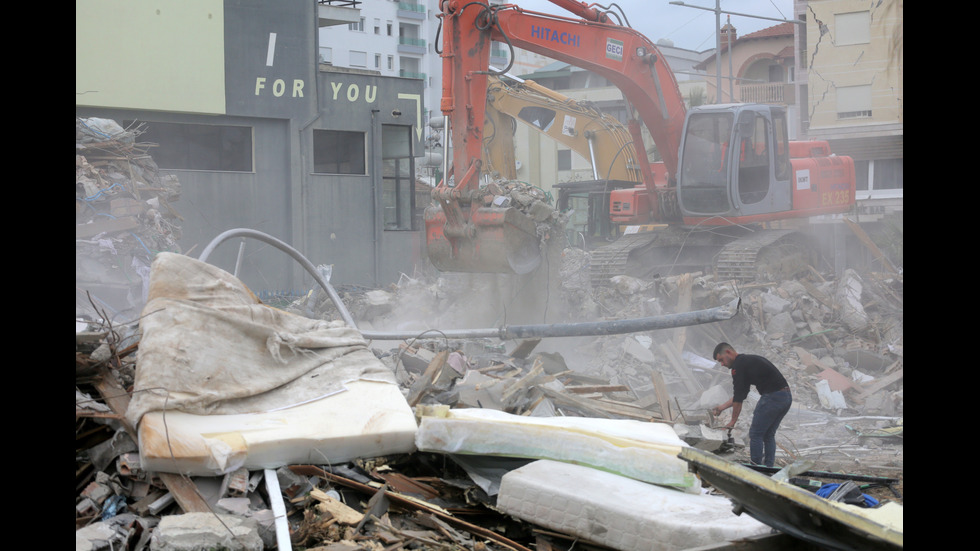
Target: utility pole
(718,11)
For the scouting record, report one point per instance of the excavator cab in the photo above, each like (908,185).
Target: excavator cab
(734,161)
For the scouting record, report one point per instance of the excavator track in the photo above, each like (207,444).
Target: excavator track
(612,259)
(766,254)
(762,254)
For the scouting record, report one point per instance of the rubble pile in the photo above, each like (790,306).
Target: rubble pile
(123,216)
(427,501)
(838,341)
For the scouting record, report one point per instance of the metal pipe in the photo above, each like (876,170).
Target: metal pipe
(584,329)
(244,232)
(512,332)
(595,171)
(238,261)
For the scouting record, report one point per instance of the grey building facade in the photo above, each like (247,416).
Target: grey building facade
(320,158)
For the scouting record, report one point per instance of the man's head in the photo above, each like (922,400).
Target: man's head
(725,354)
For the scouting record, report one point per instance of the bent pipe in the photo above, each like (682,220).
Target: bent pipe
(244,232)
(512,332)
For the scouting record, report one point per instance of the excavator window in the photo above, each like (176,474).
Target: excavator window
(704,163)
(783,167)
(753,167)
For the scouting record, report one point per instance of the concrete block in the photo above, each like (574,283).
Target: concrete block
(205,531)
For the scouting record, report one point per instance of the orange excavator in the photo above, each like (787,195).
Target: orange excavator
(728,169)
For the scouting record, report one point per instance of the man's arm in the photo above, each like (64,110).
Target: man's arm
(718,409)
(736,410)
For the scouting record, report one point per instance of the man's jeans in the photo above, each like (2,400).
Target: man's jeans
(769,412)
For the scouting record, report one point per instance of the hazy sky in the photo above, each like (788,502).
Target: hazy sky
(689,28)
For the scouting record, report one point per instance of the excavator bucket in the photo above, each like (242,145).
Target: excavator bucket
(497,240)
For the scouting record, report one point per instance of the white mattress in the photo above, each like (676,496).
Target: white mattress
(640,450)
(619,512)
(368,419)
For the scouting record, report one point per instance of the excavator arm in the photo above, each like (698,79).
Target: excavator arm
(620,54)
(580,126)
(462,233)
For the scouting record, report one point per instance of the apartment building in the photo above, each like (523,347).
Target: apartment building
(850,88)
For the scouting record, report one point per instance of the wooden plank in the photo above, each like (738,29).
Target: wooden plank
(882,384)
(587,389)
(185,492)
(663,397)
(684,284)
(600,407)
(866,240)
(523,383)
(574,401)
(692,385)
(628,410)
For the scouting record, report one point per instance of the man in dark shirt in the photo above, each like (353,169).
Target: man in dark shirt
(748,370)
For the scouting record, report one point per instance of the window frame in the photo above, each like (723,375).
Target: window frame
(188,141)
(335,153)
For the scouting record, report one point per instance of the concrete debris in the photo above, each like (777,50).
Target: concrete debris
(838,341)
(847,389)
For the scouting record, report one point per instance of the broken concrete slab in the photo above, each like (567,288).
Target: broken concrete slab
(636,449)
(205,531)
(617,511)
(701,436)
(867,361)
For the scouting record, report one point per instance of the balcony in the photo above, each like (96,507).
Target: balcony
(775,93)
(410,74)
(331,13)
(411,10)
(408,45)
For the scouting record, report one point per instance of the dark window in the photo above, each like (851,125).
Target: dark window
(888,174)
(564,159)
(398,177)
(338,152)
(200,146)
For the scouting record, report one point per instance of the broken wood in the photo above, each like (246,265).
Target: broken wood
(339,510)
(692,384)
(587,389)
(881,384)
(870,245)
(663,397)
(683,305)
(431,374)
(311,470)
(185,492)
(523,383)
